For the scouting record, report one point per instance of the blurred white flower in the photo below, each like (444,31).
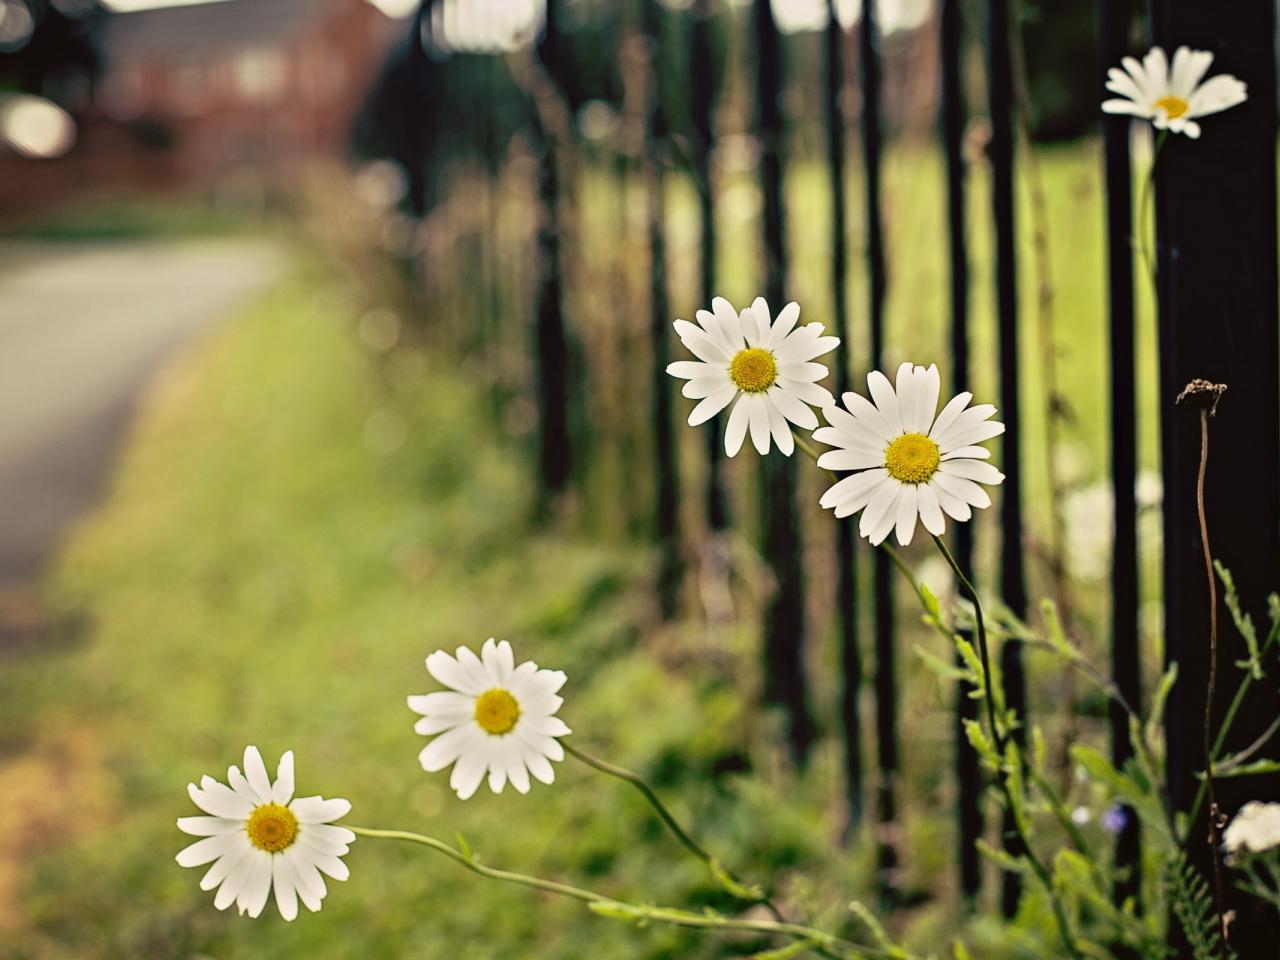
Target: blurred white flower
(766,365)
(1172,97)
(1256,828)
(1081,816)
(496,717)
(259,838)
(910,464)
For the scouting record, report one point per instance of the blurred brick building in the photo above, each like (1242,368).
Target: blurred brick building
(234,92)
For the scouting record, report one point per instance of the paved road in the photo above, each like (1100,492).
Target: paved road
(82,329)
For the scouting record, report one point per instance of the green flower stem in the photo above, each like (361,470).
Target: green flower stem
(805,447)
(1144,208)
(607,906)
(1041,872)
(722,875)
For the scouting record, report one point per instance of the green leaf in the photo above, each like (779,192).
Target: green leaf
(947,671)
(1158,702)
(980,742)
(1254,769)
(1244,622)
(1002,859)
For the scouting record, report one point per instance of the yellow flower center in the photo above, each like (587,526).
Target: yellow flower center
(272,827)
(912,458)
(497,712)
(753,370)
(1173,107)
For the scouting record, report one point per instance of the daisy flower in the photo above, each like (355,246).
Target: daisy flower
(1256,829)
(496,718)
(908,462)
(260,838)
(766,365)
(1172,98)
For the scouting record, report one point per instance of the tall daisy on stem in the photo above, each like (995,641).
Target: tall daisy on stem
(499,720)
(764,367)
(1172,97)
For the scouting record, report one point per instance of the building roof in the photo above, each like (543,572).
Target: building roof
(198,30)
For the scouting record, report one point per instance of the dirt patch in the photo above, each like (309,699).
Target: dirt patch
(52,792)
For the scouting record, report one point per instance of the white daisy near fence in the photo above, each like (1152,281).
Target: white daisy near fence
(765,365)
(908,463)
(1255,829)
(497,719)
(1172,96)
(259,839)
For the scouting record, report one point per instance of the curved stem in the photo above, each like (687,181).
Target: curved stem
(1041,872)
(608,906)
(805,447)
(719,871)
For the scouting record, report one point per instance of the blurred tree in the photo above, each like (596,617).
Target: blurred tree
(886,681)
(704,78)
(846,538)
(666,464)
(969,820)
(784,622)
(1013,584)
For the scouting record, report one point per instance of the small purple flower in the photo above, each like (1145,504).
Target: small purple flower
(1115,820)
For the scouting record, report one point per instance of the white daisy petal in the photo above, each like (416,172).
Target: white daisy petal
(783,326)
(886,400)
(286,892)
(978,470)
(806,372)
(700,343)
(255,772)
(446,748)
(208,826)
(851,486)
(885,496)
(443,703)
(759,422)
(705,386)
(225,864)
(736,431)
(319,810)
(712,404)
(778,428)
(449,672)
(792,408)
(219,799)
(282,789)
(234,883)
(964,489)
(206,851)
(756,320)
(952,505)
(905,524)
(850,460)
(930,510)
(811,393)
(730,325)
(691,369)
